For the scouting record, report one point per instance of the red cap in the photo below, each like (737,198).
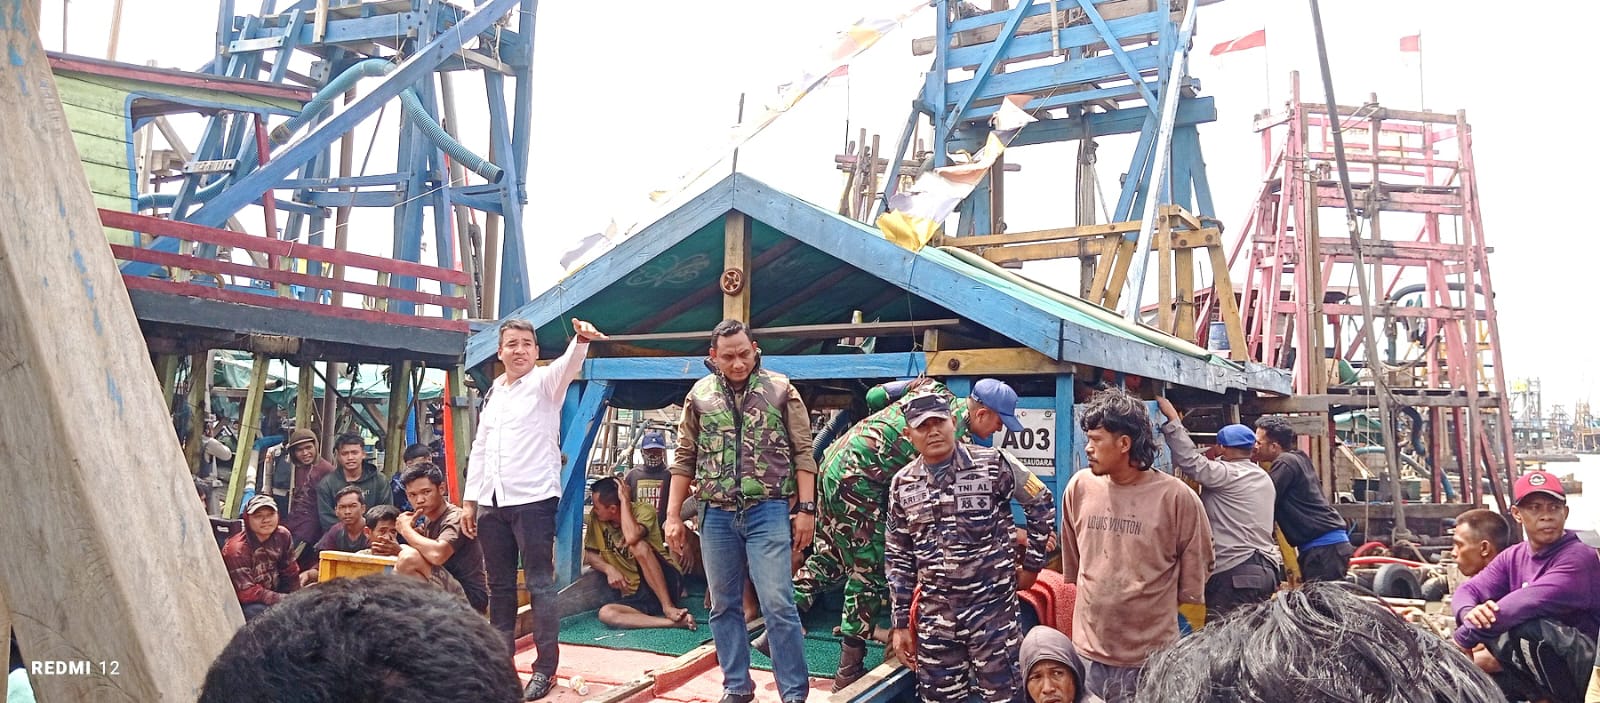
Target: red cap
(1538,481)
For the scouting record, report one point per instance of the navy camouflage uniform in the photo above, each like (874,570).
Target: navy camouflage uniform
(950,534)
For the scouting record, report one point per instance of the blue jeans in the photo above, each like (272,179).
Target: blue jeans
(753,542)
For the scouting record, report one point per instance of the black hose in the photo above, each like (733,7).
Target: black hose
(835,427)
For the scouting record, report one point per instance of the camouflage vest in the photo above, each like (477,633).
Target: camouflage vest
(743,453)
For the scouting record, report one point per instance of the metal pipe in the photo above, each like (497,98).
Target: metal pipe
(1352,224)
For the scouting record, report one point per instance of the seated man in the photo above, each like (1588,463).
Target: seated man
(349,535)
(1479,536)
(436,548)
(364,640)
(630,564)
(383,535)
(414,455)
(260,559)
(1320,643)
(1536,607)
(1051,669)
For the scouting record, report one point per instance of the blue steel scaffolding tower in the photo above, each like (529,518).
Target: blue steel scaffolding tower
(1094,68)
(410,50)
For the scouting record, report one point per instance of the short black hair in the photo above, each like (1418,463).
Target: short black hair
(1278,430)
(379,513)
(416,451)
(1486,525)
(352,488)
(729,328)
(606,491)
(1319,643)
(349,438)
(1117,412)
(355,640)
(425,470)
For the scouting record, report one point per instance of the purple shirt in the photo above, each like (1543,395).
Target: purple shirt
(1560,582)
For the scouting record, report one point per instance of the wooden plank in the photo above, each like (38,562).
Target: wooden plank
(196,290)
(1319,403)
(216,266)
(199,383)
(1042,235)
(394,435)
(1183,263)
(736,266)
(994,362)
(267,245)
(1034,25)
(1074,249)
(1119,274)
(167,76)
(870,329)
(1164,262)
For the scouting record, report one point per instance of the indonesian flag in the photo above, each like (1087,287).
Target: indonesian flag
(1252,40)
(1412,43)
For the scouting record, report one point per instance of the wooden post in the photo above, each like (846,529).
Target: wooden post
(1222,289)
(167,371)
(736,267)
(394,431)
(199,385)
(1164,274)
(330,406)
(304,398)
(73,354)
(1183,264)
(249,427)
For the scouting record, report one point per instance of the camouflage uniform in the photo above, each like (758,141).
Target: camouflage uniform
(950,535)
(853,493)
(742,451)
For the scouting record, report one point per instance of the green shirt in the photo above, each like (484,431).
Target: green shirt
(606,539)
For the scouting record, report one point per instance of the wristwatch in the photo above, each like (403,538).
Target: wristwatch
(808,508)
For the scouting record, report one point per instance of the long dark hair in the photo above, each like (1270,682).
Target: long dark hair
(1114,411)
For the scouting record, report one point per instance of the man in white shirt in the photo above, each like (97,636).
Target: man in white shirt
(514,486)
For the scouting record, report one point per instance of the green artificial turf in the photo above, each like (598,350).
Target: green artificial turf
(821,647)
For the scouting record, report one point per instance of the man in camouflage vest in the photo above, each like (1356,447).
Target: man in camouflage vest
(745,438)
(854,476)
(950,547)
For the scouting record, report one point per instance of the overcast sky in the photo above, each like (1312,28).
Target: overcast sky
(629,98)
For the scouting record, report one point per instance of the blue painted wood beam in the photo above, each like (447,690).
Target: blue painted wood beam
(413,69)
(1066,444)
(997,50)
(382,179)
(514,290)
(1039,45)
(1117,50)
(1120,92)
(580,423)
(936,86)
(1059,75)
(366,198)
(523,119)
(1191,111)
(813,367)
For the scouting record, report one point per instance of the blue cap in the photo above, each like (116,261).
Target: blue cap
(653,439)
(1236,436)
(995,395)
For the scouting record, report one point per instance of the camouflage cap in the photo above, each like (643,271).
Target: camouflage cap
(921,408)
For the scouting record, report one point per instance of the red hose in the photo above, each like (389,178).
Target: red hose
(1369,561)
(1363,549)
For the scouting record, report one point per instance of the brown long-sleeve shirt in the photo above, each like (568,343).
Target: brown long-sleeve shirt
(1135,552)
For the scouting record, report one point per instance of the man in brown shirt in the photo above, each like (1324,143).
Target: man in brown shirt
(294,485)
(436,549)
(1135,541)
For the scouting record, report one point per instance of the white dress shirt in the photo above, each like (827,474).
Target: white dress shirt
(516,457)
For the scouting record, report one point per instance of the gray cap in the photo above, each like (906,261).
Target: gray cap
(261,500)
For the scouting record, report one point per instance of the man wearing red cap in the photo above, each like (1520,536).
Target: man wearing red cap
(1530,617)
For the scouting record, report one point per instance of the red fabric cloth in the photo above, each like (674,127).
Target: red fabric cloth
(1412,43)
(1252,40)
(262,572)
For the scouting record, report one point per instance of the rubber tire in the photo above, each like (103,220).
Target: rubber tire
(1396,581)
(1434,589)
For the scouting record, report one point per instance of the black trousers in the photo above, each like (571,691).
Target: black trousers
(1326,563)
(1543,659)
(1251,581)
(527,531)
